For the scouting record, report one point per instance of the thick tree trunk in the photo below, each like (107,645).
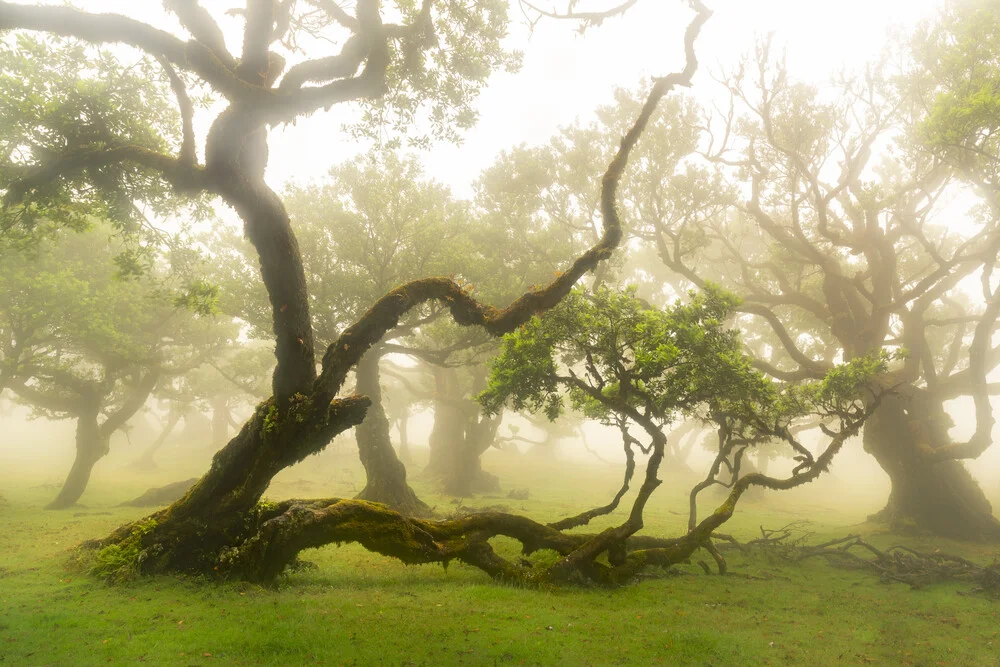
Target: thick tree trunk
(147,461)
(940,497)
(448,430)
(91,446)
(386,475)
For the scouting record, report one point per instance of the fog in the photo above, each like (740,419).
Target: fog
(587,298)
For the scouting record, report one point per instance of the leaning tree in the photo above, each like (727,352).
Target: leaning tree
(432,59)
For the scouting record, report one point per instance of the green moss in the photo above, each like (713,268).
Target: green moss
(271,417)
(265,506)
(120,562)
(300,408)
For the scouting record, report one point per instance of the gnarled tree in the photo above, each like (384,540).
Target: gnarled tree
(828,222)
(219,525)
(638,367)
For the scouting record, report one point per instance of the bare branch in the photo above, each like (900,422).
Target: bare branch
(187,155)
(344,353)
(110,28)
(197,21)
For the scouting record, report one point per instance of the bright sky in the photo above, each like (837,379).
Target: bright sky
(565,76)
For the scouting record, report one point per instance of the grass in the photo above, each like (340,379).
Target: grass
(358,608)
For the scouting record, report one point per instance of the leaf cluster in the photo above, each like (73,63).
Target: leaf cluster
(615,357)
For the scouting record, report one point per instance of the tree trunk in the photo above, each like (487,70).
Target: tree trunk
(449,423)
(146,461)
(386,475)
(940,497)
(459,438)
(466,476)
(404,439)
(91,446)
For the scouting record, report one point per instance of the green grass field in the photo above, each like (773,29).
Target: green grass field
(359,608)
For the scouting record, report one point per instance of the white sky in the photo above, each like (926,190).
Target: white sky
(565,76)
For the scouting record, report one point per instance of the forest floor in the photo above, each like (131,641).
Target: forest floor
(360,608)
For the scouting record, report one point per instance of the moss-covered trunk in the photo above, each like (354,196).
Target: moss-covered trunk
(940,497)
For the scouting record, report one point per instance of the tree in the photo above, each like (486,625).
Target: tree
(533,210)
(80,342)
(378,222)
(220,525)
(955,75)
(633,366)
(841,262)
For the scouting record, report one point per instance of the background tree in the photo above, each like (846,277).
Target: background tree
(830,263)
(533,209)
(81,342)
(844,264)
(225,384)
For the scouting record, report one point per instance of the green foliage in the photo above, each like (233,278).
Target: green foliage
(671,360)
(199,297)
(71,326)
(61,97)
(618,358)
(435,76)
(958,75)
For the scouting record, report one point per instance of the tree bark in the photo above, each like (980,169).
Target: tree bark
(940,497)
(386,475)
(92,444)
(235,157)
